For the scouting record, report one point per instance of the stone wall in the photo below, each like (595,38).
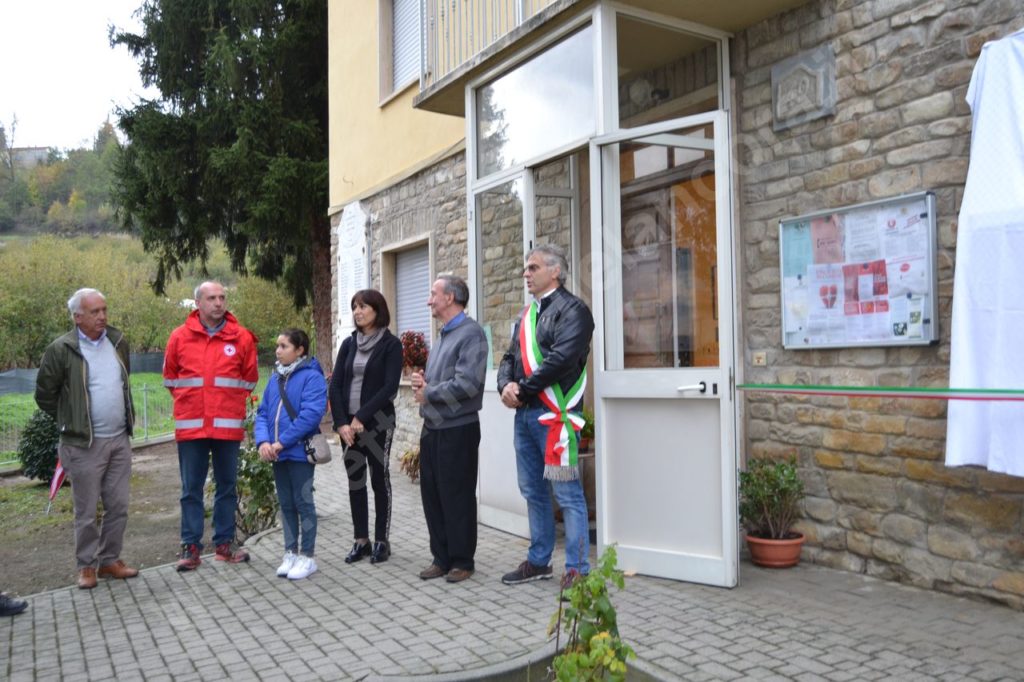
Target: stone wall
(500,212)
(431,203)
(880,501)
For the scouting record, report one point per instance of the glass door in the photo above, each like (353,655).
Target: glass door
(664,397)
(539,205)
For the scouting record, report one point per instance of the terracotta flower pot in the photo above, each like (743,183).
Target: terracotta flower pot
(775,553)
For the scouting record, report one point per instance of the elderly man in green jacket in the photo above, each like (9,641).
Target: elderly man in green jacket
(83,384)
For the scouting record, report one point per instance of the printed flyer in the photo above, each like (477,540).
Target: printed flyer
(863,275)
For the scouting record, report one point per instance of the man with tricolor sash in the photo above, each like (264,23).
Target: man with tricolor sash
(543,377)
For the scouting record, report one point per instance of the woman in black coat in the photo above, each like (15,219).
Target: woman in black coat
(362,394)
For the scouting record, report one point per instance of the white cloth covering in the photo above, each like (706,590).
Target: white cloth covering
(987,337)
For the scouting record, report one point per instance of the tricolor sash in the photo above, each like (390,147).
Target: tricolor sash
(561,450)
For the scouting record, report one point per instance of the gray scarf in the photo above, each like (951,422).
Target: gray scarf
(366,343)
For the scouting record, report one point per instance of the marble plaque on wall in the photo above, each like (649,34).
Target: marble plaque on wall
(804,88)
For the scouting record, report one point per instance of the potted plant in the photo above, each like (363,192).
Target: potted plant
(770,494)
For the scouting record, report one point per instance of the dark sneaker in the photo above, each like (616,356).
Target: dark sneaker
(571,577)
(227,551)
(526,573)
(9,606)
(189,559)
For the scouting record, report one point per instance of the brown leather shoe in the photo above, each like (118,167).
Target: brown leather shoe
(118,569)
(432,571)
(86,578)
(457,575)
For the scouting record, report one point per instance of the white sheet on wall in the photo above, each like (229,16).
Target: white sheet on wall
(988,290)
(352,271)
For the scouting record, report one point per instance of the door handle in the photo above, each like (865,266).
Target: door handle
(702,387)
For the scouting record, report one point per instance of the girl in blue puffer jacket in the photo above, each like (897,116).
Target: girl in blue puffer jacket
(281,438)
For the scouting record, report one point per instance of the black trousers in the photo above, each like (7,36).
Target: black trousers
(449,461)
(371,451)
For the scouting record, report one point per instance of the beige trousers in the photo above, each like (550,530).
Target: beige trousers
(100,472)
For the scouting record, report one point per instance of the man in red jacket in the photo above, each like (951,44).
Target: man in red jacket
(210,368)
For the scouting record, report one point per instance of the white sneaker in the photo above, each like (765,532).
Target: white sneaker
(286,565)
(304,567)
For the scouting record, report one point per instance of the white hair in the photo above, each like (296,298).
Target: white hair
(75,302)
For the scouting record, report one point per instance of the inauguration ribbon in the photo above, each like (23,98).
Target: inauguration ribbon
(980,394)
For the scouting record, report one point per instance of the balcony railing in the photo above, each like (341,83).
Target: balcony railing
(454,31)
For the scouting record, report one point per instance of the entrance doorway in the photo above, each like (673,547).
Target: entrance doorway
(664,363)
(545,203)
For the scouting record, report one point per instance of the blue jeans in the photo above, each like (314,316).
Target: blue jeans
(194,463)
(294,481)
(530,438)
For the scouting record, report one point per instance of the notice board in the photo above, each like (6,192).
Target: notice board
(861,275)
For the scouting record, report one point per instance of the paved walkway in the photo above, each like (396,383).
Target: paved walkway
(381,622)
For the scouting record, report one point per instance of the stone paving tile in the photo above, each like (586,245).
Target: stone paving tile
(364,621)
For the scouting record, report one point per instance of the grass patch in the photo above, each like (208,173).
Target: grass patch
(154,410)
(24,506)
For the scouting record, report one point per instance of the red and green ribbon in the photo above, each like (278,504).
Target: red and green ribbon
(561,450)
(985,394)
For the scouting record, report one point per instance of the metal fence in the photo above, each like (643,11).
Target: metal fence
(154,418)
(454,31)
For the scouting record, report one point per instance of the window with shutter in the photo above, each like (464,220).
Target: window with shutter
(399,51)
(405,58)
(412,286)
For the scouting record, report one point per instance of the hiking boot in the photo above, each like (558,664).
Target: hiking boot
(303,567)
(286,564)
(9,606)
(227,551)
(526,573)
(189,559)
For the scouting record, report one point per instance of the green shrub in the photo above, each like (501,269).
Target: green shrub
(770,494)
(37,448)
(594,650)
(257,494)
(40,274)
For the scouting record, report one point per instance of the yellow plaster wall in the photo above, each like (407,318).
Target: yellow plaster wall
(370,143)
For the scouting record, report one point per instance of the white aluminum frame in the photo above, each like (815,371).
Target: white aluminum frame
(608,133)
(608,349)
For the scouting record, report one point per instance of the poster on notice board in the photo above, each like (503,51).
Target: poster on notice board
(861,275)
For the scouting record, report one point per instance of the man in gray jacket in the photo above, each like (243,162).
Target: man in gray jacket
(450,394)
(83,384)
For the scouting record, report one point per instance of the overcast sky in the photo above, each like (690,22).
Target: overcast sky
(58,73)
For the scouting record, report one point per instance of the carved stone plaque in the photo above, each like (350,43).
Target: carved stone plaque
(804,88)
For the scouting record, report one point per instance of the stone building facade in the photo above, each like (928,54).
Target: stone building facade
(880,500)
(430,205)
